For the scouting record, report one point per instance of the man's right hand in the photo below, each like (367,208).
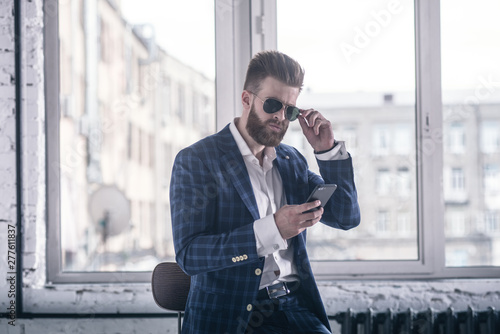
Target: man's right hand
(292,220)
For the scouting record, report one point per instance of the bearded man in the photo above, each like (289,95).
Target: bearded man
(239,215)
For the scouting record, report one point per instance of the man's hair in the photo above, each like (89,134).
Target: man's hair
(274,64)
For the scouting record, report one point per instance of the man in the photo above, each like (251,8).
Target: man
(238,211)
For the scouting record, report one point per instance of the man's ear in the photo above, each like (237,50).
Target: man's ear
(246,100)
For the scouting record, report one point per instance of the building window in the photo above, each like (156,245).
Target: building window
(384,181)
(381,140)
(455,224)
(457,179)
(490,137)
(455,138)
(403,182)
(492,221)
(382,222)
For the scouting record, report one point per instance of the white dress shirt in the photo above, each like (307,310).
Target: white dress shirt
(267,186)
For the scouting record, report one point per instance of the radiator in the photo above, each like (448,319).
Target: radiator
(422,322)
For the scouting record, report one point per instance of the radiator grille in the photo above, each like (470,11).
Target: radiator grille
(422,322)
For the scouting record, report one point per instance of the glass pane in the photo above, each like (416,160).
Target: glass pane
(359,59)
(133,91)
(470,38)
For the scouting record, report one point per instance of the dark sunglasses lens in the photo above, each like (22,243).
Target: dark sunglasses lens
(292,113)
(271,106)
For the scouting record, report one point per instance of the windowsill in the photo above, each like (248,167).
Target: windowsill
(338,296)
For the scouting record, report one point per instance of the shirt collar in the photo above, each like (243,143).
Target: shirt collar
(269,152)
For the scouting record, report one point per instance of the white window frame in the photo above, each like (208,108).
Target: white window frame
(242,29)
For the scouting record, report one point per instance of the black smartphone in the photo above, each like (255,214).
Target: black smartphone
(323,192)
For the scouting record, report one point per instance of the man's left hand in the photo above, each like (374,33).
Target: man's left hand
(317,129)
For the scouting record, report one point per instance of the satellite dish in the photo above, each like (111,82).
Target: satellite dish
(110,209)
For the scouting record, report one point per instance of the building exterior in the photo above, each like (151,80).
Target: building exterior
(127,107)
(379,130)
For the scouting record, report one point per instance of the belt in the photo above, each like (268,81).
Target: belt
(274,291)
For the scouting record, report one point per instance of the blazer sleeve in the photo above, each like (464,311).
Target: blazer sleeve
(200,243)
(342,210)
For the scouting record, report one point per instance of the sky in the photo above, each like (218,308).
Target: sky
(344,46)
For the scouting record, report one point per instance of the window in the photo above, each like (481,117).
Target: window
(360,73)
(472,102)
(492,221)
(381,140)
(383,182)
(490,137)
(132,98)
(403,182)
(455,138)
(367,72)
(402,145)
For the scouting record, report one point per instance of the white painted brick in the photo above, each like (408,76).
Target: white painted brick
(7,59)
(7,92)
(8,126)
(32,76)
(89,324)
(5,78)
(29,261)
(6,144)
(6,40)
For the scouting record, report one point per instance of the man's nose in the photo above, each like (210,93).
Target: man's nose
(280,114)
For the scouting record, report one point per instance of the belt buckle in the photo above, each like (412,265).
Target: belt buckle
(277,290)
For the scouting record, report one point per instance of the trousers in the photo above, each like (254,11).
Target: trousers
(284,315)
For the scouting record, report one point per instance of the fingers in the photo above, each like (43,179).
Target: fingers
(308,206)
(292,220)
(313,119)
(312,215)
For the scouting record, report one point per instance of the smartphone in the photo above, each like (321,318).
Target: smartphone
(323,192)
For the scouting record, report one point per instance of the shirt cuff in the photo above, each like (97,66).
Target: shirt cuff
(267,236)
(338,152)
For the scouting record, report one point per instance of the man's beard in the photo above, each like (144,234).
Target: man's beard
(260,132)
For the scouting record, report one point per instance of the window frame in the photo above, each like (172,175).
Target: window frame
(243,28)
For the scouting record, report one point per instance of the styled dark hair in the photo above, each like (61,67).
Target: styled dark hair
(274,64)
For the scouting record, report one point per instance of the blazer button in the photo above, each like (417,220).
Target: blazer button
(249,307)
(245,257)
(241,258)
(258,271)
(234,259)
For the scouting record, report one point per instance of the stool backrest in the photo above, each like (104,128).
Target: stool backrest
(170,286)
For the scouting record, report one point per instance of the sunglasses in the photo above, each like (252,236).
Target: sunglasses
(272,105)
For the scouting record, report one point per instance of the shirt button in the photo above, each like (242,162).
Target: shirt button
(249,307)
(276,247)
(258,271)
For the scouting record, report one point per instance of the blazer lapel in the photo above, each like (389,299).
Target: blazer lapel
(285,168)
(232,162)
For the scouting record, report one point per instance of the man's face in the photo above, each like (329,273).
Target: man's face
(269,129)
(269,132)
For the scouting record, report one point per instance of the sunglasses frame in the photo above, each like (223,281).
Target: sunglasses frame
(291,112)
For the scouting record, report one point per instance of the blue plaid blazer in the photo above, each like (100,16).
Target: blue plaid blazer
(213,209)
